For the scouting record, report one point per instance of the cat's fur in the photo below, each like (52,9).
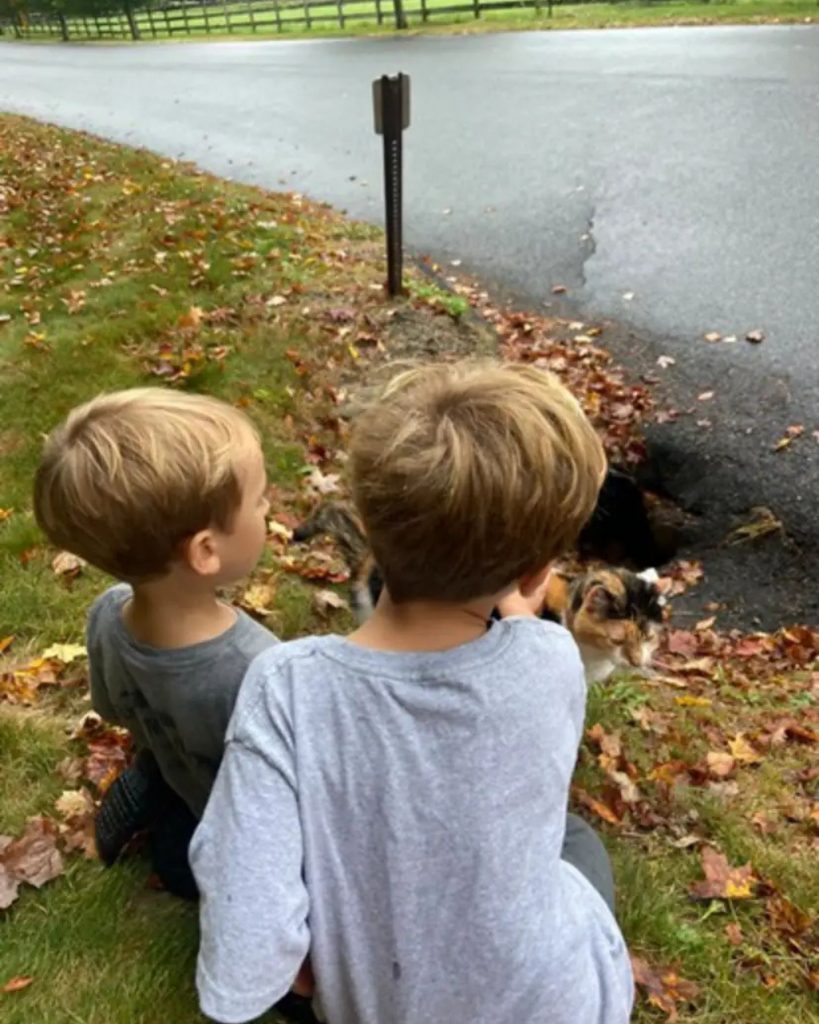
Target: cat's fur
(614,614)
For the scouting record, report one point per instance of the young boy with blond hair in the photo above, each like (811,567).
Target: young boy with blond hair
(396,801)
(167,492)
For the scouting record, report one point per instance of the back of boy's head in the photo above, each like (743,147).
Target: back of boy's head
(468,476)
(130,475)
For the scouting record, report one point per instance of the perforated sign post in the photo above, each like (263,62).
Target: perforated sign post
(391,105)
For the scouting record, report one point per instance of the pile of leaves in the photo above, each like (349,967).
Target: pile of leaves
(99,753)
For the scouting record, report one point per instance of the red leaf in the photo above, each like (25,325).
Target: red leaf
(17,984)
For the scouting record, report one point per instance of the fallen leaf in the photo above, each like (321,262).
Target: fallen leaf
(77,810)
(664,988)
(689,700)
(733,932)
(324,600)
(761,523)
(5,643)
(258,599)
(17,984)
(742,751)
(66,653)
(721,880)
(9,885)
(720,763)
(681,641)
(323,483)
(791,434)
(713,336)
(665,361)
(32,858)
(68,565)
(191,320)
(559,289)
(755,337)
(596,806)
(276,300)
(705,396)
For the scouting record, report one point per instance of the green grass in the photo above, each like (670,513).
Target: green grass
(234,21)
(102,947)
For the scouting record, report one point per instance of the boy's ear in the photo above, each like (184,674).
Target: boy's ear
(201,553)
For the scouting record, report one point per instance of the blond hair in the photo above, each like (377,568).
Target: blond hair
(129,475)
(468,476)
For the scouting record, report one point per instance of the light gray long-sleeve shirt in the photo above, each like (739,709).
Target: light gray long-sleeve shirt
(402,816)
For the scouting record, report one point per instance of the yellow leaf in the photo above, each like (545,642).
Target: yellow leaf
(742,751)
(688,700)
(741,890)
(66,653)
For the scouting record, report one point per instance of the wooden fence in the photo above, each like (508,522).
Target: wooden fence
(207,17)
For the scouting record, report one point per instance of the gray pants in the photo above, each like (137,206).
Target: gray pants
(584,849)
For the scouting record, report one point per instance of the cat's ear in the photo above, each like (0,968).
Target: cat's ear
(599,601)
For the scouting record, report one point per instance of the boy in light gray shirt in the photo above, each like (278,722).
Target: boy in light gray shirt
(167,491)
(396,802)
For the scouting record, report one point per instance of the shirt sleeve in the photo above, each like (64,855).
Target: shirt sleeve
(100,698)
(247,857)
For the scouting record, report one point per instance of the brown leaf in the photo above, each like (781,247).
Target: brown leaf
(733,932)
(192,320)
(761,523)
(596,806)
(76,808)
(721,880)
(33,858)
(786,918)
(681,641)
(326,600)
(68,565)
(9,885)
(720,764)
(5,643)
(17,984)
(559,289)
(663,987)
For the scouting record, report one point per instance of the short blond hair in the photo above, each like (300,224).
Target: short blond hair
(130,475)
(468,476)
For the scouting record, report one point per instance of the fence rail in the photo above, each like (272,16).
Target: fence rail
(206,17)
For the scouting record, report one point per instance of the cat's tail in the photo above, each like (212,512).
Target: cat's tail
(339,522)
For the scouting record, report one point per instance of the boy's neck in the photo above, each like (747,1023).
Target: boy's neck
(176,612)
(423,625)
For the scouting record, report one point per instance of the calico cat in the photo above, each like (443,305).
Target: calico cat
(614,614)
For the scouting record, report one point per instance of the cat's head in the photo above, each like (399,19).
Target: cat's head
(617,613)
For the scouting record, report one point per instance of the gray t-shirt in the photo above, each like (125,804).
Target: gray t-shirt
(177,703)
(401,816)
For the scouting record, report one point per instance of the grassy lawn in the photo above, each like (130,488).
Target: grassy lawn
(294,20)
(118,268)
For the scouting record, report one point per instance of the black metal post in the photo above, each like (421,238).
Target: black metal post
(391,97)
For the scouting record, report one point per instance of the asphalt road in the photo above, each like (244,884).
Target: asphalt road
(666,177)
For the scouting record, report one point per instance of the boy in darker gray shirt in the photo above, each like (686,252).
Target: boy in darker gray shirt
(168,492)
(396,802)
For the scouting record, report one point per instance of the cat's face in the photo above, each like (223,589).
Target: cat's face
(616,614)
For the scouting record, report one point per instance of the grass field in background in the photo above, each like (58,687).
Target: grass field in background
(237,20)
